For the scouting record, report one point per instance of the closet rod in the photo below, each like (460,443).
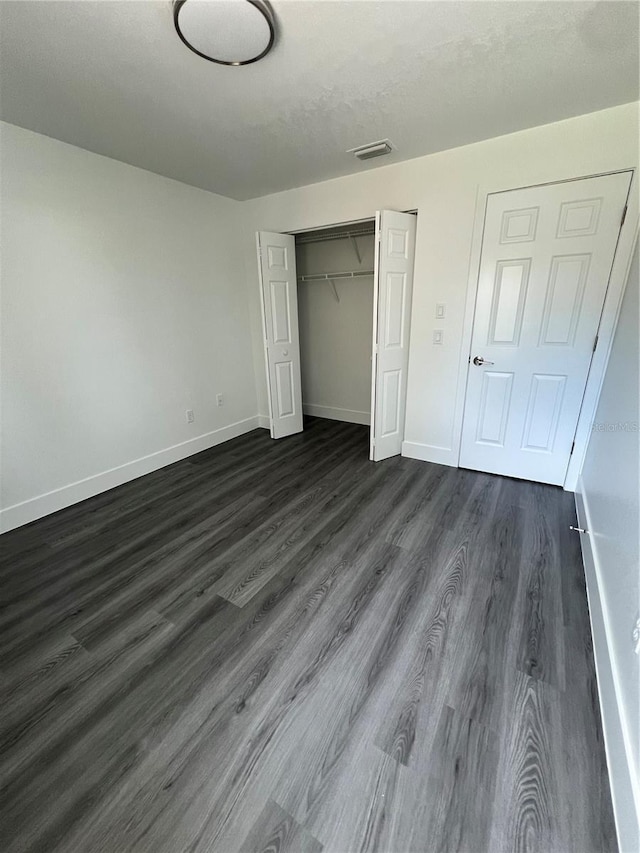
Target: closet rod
(340,235)
(328,276)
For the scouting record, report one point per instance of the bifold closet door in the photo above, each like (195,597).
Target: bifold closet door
(278,289)
(393,286)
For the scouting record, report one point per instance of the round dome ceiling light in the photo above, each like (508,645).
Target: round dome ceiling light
(229,32)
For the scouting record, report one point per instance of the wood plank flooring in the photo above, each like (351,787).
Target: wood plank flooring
(281,646)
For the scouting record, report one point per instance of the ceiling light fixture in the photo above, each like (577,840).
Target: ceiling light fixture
(229,32)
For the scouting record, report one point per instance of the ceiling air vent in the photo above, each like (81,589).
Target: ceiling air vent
(374,149)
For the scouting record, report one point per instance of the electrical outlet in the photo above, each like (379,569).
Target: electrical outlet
(440,310)
(190,416)
(438,337)
(219,400)
(636,637)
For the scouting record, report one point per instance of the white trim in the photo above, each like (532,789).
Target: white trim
(606,330)
(430,453)
(606,333)
(30,510)
(349,415)
(374,334)
(264,422)
(625,788)
(467,327)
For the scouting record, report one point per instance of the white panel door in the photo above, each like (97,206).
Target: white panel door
(395,240)
(546,258)
(278,285)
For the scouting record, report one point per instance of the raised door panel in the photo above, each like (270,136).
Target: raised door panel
(519,226)
(543,412)
(493,414)
(285,393)
(394,335)
(563,301)
(391,386)
(398,244)
(277,258)
(579,218)
(508,302)
(280,313)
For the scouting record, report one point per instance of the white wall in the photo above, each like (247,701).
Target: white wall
(122,302)
(444,189)
(336,337)
(123,305)
(608,491)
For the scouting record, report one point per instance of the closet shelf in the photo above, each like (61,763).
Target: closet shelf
(365,231)
(329,276)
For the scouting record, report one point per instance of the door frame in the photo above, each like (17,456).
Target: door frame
(376,220)
(374,334)
(606,328)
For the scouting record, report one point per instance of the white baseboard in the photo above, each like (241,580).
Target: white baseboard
(264,421)
(429,453)
(625,788)
(30,510)
(334,414)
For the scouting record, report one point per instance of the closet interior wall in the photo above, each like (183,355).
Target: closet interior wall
(335,321)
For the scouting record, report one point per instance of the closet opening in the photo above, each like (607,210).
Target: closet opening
(336,306)
(335,272)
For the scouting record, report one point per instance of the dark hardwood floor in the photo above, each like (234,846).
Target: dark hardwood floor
(281,646)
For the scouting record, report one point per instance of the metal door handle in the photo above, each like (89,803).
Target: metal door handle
(478,360)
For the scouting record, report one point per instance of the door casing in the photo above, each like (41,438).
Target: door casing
(374,324)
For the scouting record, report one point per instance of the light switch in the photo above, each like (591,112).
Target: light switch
(440,310)
(438,336)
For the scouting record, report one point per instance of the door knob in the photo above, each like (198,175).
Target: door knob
(478,360)
(285,352)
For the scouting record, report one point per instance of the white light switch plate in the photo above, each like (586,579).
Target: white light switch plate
(441,310)
(438,336)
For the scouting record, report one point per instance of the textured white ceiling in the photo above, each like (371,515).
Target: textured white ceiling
(112,76)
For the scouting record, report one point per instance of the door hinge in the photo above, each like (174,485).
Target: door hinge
(624,215)
(595,343)
(573,444)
